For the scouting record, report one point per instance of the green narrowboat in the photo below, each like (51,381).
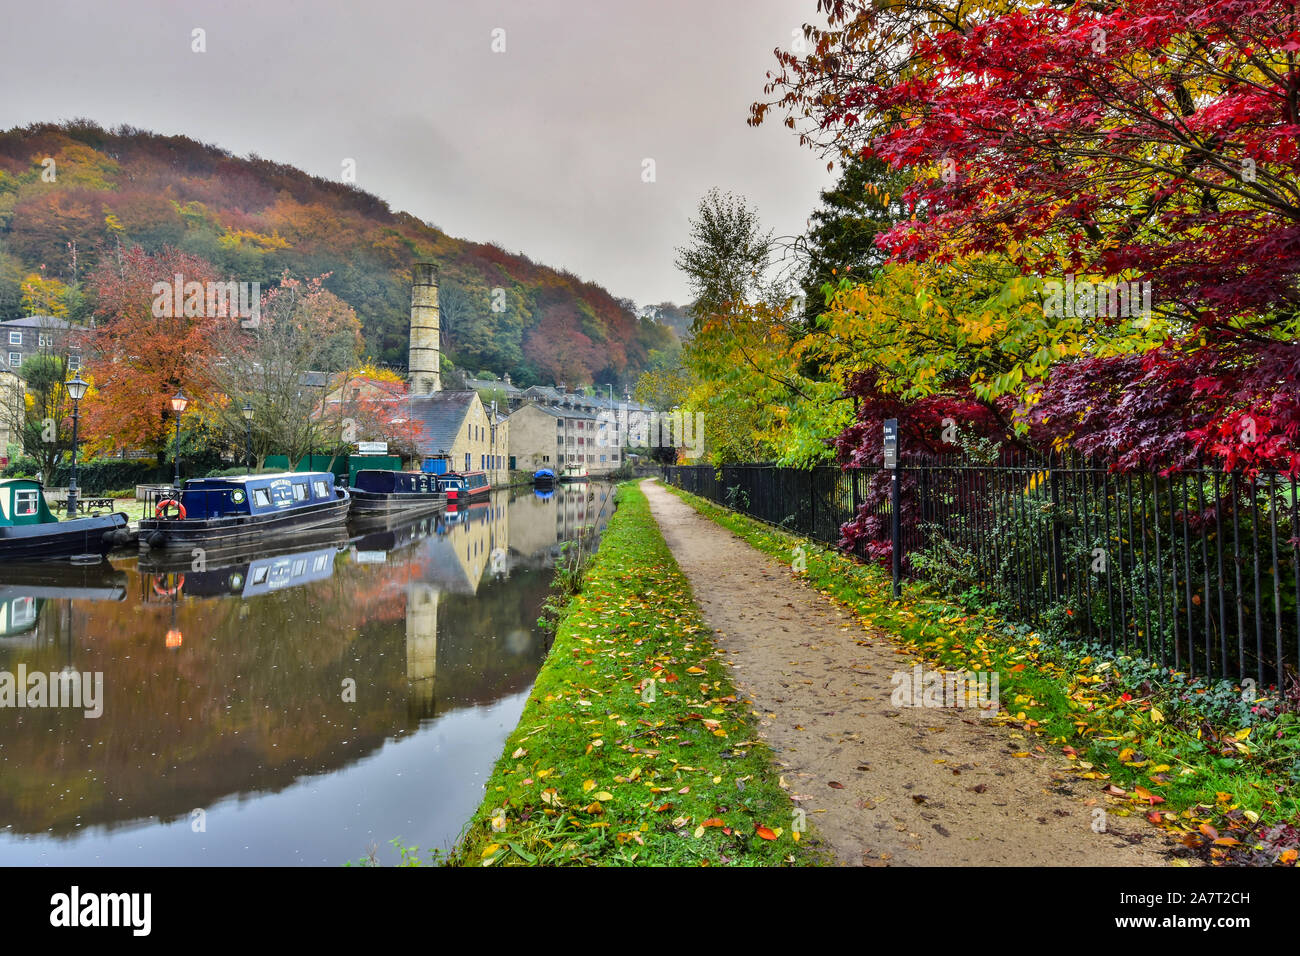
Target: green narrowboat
(29,532)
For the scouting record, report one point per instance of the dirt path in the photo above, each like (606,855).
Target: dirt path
(920,786)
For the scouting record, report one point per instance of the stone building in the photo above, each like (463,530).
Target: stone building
(552,436)
(457,424)
(20,339)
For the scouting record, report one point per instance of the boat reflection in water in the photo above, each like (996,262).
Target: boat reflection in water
(24,589)
(311,700)
(244,571)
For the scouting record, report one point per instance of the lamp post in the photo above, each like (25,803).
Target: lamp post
(179,402)
(248,421)
(76,391)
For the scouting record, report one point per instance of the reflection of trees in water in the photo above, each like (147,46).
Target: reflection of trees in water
(253,698)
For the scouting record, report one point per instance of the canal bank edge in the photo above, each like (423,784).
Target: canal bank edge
(634,748)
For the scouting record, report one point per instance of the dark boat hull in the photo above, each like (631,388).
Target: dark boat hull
(62,539)
(217,557)
(373,504)
(177,533)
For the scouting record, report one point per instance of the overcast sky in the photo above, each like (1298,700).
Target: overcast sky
(539,148)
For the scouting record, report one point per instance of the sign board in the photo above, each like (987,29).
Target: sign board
(891,443)
(372,448)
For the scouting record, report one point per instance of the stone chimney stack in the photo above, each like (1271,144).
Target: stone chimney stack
(423,358)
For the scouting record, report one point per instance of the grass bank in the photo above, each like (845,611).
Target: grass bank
(633,748)
(1137,735)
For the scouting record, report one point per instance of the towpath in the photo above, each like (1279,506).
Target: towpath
(883,785)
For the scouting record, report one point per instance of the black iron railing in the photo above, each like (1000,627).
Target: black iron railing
(1199,570)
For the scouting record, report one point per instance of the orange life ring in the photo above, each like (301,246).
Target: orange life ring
(159,512)
(174,589)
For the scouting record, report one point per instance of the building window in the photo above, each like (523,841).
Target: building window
(602,459)
(467,461)
(74,362)
(42,340)
(15,359)
(15,338)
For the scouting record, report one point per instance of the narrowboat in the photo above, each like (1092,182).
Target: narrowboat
(228,511)
(461,486)
(543,478)
(30,532)
(376,494)
(574,473)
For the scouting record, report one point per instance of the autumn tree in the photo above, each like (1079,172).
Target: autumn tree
(146,349)
(1139,140)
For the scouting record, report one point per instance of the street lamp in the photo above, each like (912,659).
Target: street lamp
(248,419)
(179,402)
(76,391)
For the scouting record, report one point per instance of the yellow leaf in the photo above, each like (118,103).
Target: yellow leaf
(588,786)
(604,795)
(489,850)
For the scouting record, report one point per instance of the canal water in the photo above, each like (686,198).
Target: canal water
(290,706)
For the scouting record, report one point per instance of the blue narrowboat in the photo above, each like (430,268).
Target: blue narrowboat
(543,478)
(376,494)
(226,511)
(29,532)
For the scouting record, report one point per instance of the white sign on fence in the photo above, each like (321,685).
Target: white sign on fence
(372,448)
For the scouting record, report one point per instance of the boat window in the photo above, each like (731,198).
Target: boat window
(22,611)
(299,567)
(320,562)
(259,576)
(321,488)
(262,497)
(299,491)
(25,502)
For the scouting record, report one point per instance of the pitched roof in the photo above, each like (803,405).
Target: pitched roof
(556,412)
(493,383)
(39,322)
(441,414)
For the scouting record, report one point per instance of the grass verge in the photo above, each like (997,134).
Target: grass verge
(1227,794)
(633,748)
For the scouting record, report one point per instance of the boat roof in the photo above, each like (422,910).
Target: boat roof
(273,476)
